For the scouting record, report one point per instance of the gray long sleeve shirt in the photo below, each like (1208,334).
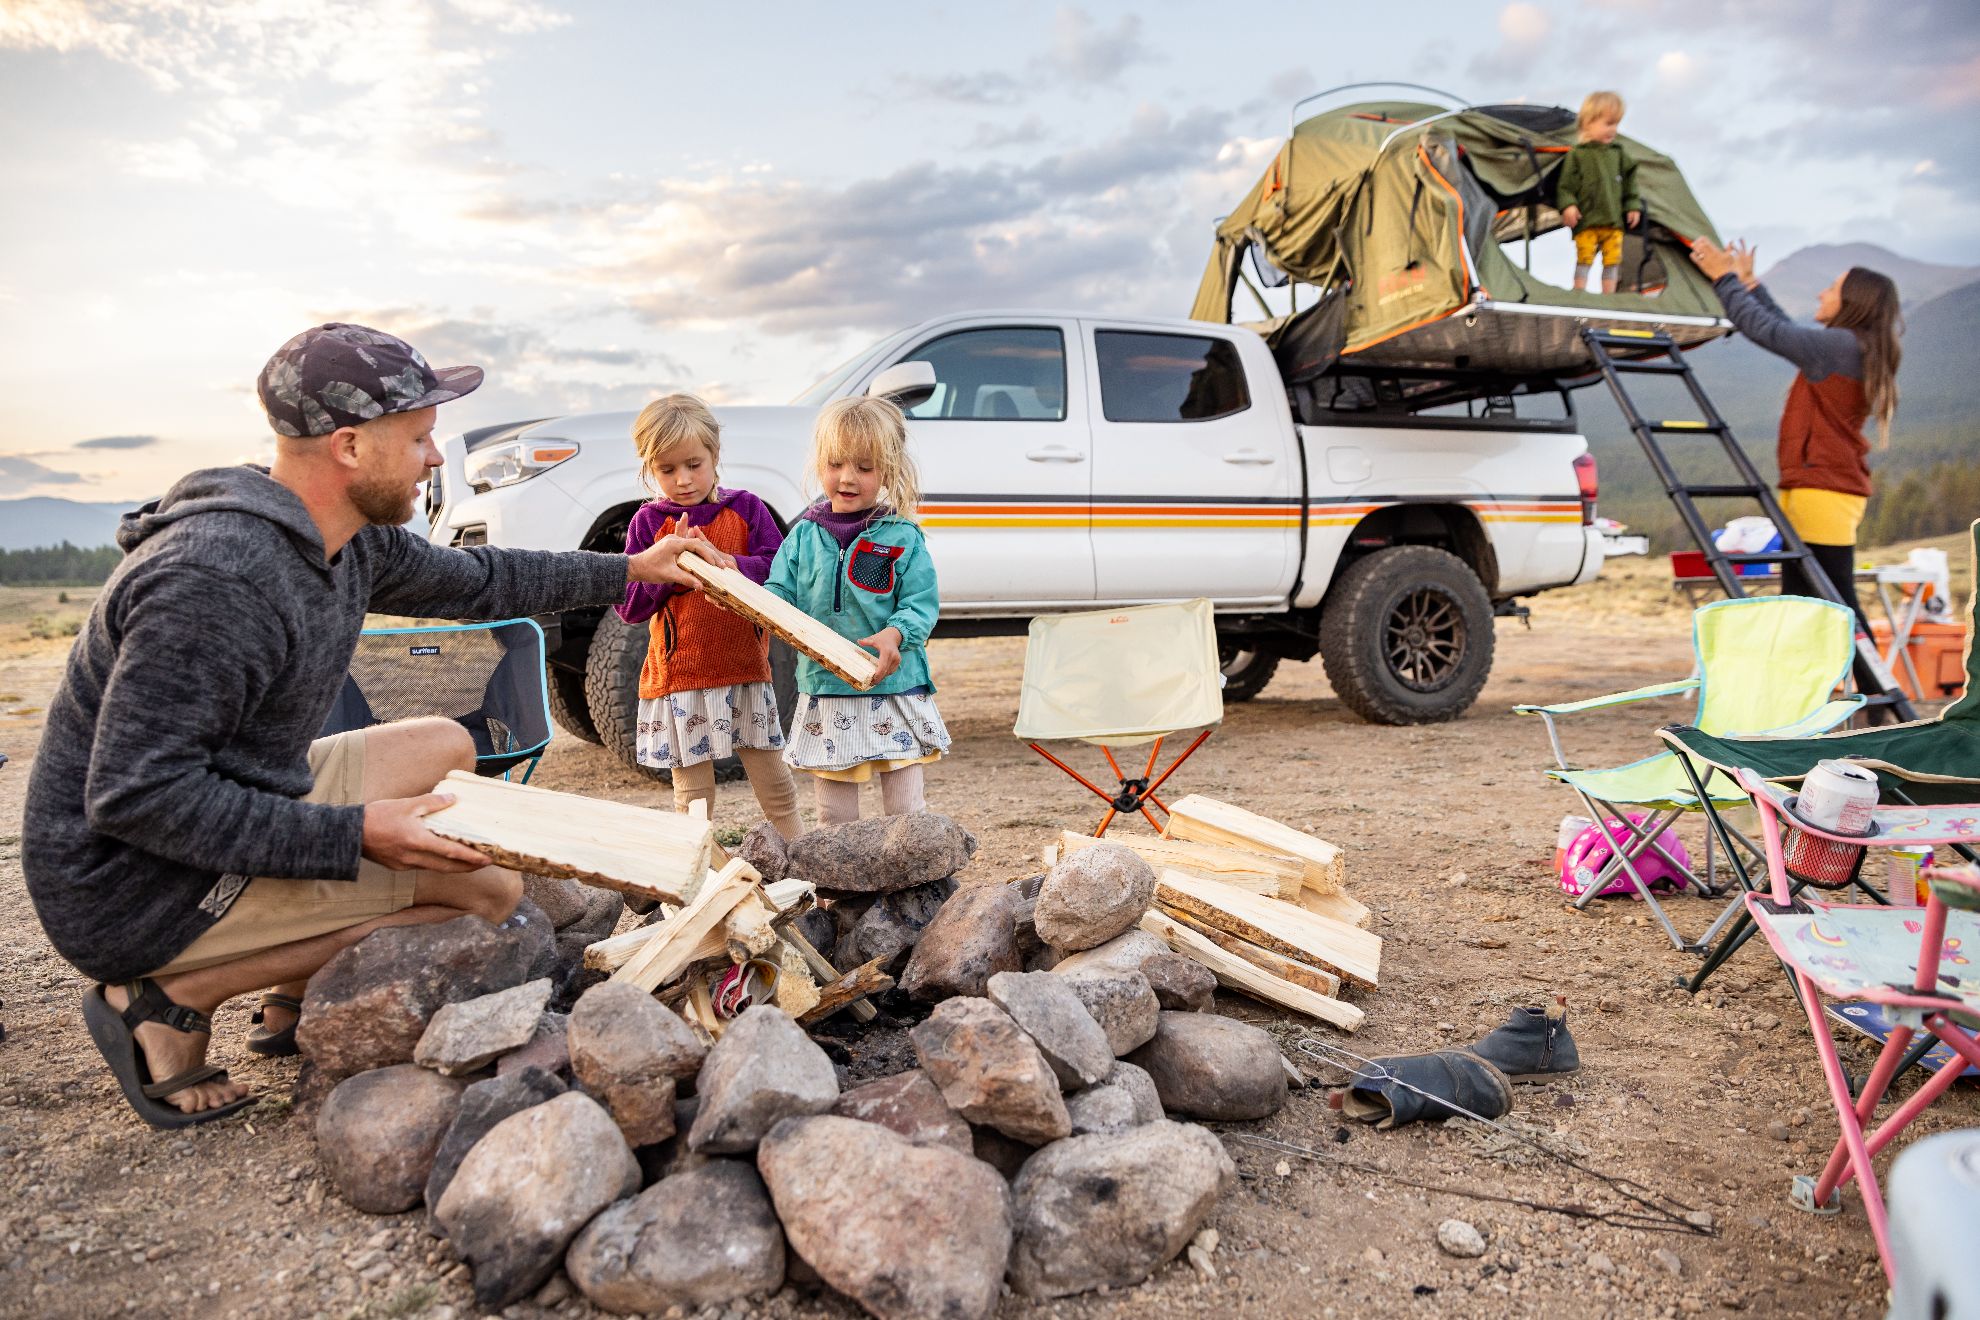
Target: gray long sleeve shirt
(175,749)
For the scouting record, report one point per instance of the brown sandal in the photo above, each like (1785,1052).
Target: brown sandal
(115,1034)
(271,1044)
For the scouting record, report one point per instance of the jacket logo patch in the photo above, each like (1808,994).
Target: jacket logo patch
(422,650)
(871,567)
(221,897)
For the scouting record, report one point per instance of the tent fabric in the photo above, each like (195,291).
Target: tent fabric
(1402,207)
(1121,677)
(1935,762)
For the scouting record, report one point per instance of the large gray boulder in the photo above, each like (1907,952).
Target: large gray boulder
(1127,1098)
(482,1106)
(629,1051)
(468,1035)
(1126,952)
(699,1238)
(1093,895)
(910,1104)
(970,940)
(1122,1003)
(378,1132)
(1108,1210)
(1180,983)
(525,1190)
(881,854)
(894,923)
(369,1005)
(1213,1067)
(990,1071)
(1050,1013)
(763,1069)
(908,1232)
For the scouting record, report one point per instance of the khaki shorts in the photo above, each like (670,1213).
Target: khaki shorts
(270,912)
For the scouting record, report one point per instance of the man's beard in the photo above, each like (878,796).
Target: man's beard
(383,502)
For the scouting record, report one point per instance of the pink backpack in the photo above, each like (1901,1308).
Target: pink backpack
(1590,852)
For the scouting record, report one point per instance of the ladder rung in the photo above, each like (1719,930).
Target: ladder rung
(1721,492)
(1687,426)
(1765,557)
(1651,366)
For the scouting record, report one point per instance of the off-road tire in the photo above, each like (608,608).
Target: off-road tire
(1246,667)
(611,687)
(1384,665)
(568,705)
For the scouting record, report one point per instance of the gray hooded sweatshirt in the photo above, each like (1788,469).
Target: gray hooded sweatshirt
(175,749)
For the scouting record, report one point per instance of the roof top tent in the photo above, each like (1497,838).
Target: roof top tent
(1405,229)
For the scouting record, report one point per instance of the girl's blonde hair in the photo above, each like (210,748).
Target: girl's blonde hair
(668,425)
(1599,105)
(868,430)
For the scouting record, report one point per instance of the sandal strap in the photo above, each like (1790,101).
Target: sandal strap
(149,1003)
(205,1072)
(273,1000)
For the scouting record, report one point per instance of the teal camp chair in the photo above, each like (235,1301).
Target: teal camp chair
(1766,664)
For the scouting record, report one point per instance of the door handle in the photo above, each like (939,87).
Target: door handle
(1250,458)
(1055,454)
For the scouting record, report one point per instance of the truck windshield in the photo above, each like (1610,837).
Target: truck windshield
(821,391)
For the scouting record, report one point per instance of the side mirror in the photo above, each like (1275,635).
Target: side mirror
(905,383)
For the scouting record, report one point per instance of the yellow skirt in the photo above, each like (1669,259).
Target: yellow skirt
(865,770)
(1824,517)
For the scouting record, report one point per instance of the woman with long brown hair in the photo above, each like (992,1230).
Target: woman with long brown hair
(1849,362)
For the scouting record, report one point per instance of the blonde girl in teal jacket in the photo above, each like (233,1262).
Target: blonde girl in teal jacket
(856,561)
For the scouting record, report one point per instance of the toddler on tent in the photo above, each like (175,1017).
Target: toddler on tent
(704,691)
(857,562)
(1597,191)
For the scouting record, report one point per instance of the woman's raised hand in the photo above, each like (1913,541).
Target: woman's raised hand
(1742,254)
(1711,258)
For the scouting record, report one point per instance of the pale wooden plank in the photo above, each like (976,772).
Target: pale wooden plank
(1284,928)
(823,971)
(1205,820)
(670,953)
(635,850)
(797,990)
(1238,974)
(1318,980)
(1338,907)
(1275,877)
(610,953)
(732,591)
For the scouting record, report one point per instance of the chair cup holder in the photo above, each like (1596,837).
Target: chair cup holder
(1823,863)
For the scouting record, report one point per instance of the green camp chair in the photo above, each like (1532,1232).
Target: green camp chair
(1766,664)
(1932,762)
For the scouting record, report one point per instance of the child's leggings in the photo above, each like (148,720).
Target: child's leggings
(900,793)
(776,790)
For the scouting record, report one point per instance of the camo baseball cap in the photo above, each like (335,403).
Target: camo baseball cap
(340,375)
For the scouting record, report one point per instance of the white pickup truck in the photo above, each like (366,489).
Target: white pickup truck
(1075,462)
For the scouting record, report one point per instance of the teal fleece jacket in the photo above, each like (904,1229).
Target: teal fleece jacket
(883,579)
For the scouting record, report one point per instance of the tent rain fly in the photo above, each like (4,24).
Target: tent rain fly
(1391,214)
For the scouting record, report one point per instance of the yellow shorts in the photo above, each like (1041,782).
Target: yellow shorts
(865,770)
(271,912)
(1607,239)
(1825,517)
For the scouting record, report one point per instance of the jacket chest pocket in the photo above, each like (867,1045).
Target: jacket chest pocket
(870,567)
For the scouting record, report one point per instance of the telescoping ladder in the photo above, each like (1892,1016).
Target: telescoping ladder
(1652,352)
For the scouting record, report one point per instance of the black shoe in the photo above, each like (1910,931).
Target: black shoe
(1406,1088)
(1533,1046)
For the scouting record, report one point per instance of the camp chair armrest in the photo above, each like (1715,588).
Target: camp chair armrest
(1613,699)
(1820,720)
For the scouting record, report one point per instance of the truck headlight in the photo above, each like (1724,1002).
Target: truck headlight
(518,460)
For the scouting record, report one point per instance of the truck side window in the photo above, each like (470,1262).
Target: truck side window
(1001,374)
(1168,378)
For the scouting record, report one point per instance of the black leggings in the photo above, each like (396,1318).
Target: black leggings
(1839,562)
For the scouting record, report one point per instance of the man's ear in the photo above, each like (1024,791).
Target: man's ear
(343,446)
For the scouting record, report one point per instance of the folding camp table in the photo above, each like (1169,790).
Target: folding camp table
(1911,961)
(1120,678)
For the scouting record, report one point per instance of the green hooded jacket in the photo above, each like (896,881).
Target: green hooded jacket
(1600,178)
(884,579)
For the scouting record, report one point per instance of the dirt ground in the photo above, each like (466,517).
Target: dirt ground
(1714,1101)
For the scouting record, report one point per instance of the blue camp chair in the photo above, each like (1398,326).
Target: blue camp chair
(486,677)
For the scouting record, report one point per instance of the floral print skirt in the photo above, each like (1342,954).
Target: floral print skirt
(837,733)
(707,724)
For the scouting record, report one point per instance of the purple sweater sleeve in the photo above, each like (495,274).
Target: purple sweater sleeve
(764,538)
(643,599)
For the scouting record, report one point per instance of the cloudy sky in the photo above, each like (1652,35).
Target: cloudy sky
(600,202)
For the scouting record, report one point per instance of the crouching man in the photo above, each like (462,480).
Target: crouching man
(187,836)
